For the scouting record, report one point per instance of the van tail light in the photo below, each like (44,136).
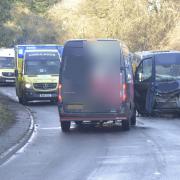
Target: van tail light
(59,93)
(123,89)
(124,92)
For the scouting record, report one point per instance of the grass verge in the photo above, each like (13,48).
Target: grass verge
(6,115)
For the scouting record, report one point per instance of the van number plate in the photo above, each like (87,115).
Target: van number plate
(45,95)
(75,107)
(10,81)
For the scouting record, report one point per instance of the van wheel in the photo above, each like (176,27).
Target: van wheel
(78,123)
(54,101)
(125,125)
(133,118)
(65,126)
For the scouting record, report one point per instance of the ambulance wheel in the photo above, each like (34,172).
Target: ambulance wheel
(24,100)
(125,125)
(20,100)
(65,126)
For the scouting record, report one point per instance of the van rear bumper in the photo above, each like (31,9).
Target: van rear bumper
(93,117)
(122,114)
(7,80)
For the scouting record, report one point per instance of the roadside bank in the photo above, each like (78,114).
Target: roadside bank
(16,127)
(6,115)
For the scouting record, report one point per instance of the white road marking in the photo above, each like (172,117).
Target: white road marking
(157,173)
(149,141)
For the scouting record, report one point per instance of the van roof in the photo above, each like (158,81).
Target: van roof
(7,52)
(36,45)
(42,50)
(80,42)
(103,39)
(146,54)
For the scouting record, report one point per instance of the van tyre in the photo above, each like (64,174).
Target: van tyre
(125,125)
(78,123)
(65,126)
(54,101)
(133,118)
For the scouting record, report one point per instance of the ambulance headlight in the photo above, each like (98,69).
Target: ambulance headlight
(28,85)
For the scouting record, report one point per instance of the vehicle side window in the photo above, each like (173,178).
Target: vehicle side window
(144,71)
(129,71)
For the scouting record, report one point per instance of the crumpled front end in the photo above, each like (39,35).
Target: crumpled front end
(167,101)
(167,97)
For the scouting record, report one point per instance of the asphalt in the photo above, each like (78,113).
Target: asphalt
(17,133)
(149,151)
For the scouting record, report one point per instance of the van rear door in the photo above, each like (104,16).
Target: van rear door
(91,78)
(73,76)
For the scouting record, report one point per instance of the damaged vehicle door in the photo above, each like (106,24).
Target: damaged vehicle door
(144,86)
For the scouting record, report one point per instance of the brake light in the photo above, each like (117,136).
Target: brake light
(59,93)
(124,92)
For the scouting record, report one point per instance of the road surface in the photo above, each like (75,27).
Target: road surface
(149,151)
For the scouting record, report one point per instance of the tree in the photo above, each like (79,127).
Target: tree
(5,6)
(39,6)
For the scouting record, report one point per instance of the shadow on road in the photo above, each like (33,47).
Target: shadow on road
(7,85)
(41,103)
(100,129)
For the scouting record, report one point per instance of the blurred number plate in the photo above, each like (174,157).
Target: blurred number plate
(45,95)
(75,107)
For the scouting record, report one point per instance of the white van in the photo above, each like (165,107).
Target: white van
(7,66)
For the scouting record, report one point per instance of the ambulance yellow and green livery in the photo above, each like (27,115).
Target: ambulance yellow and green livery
(7,66)
(37,72)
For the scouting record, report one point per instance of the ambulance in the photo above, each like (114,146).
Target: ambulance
(37,72)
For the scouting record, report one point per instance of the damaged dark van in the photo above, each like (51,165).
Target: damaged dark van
(96,83)
(157,83)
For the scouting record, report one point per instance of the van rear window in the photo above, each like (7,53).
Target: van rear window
(74,63)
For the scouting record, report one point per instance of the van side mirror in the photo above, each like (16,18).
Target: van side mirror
(16,73)
(140,77)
